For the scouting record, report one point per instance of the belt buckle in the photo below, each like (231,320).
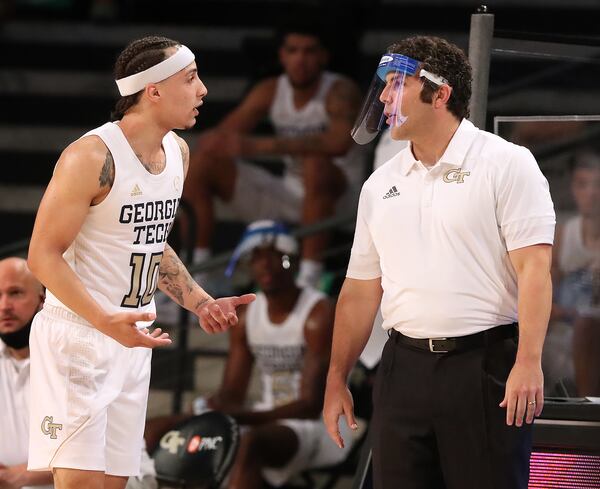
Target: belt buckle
(432,346)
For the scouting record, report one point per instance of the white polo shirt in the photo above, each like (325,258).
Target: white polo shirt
(14,409)
(439,238)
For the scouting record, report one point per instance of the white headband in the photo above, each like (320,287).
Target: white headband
(159,72)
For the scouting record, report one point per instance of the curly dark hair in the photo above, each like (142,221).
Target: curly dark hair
(139,55)
(443,59)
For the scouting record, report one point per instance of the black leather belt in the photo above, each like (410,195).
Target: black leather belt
(447,345)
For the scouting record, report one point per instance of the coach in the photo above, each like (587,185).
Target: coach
(454,238)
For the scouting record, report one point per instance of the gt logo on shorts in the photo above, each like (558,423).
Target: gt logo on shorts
(456,175)
(49,427)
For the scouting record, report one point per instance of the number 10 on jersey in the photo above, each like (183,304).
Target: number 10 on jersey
(134,298)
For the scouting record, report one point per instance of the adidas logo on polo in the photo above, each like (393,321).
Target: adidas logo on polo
(135,191)
(393,192)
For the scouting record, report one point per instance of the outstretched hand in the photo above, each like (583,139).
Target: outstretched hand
(220,314)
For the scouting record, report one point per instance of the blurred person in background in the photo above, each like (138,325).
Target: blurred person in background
(286,334)
(312,111)
(576,267)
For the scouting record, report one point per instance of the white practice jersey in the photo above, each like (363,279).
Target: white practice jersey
(119,247)
(289,121)
(573,254)
(279,348)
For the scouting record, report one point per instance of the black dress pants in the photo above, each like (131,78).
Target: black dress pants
(437,424)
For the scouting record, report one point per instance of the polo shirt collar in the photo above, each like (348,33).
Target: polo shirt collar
(455,152)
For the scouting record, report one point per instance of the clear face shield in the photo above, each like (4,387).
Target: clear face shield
(389,78)
(383,103)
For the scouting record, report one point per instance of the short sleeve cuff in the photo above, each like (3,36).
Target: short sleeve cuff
(529,232)
(363,268)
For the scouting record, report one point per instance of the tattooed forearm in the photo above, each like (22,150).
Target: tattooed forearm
(176,293)
(174,279)
(200,303)
(107,174)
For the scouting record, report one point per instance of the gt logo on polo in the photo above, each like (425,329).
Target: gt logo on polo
(49,427)
(456,175)
(172,441)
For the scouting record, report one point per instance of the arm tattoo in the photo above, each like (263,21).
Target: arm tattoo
(107,174)
(174,276)
(344,102)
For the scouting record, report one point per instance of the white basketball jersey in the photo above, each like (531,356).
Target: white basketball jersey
(119,247)
(278,349)
(573,254)
(312,118)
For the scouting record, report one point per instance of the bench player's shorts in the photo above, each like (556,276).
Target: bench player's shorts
(315,449)
(88,397)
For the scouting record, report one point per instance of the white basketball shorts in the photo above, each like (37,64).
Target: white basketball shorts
(315,449)
(88,397)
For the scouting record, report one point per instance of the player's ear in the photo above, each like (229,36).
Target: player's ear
(152,92)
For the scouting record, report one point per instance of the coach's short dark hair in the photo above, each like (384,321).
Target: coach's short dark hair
(139,55)
(443,59)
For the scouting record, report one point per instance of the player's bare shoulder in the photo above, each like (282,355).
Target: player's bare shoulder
(343,99)
(88,163)
(185,152)
(263,93)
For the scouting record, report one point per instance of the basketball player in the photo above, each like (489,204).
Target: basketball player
(311,110)
(99,246)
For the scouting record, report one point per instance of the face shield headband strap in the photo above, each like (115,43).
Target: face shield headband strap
(436,79)
(159,72)
(251,239)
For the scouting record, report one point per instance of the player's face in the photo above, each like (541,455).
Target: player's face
(303,59)
(20,299)
(268,271)
(586,191)
(181,96)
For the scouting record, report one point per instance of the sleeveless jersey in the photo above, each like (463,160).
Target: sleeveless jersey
(573,254)
(278,349)
(118,249)
(289,121)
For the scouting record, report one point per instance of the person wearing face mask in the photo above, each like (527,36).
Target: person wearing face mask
(21,296)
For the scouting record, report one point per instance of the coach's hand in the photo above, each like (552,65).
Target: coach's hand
(122,328)
(338,401)
(524,397)
(219,315)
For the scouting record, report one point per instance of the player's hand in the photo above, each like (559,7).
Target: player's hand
(338,401)
(122,328)
(220,314)
(524,396)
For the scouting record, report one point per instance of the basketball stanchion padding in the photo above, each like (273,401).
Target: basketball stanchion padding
(198,452)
